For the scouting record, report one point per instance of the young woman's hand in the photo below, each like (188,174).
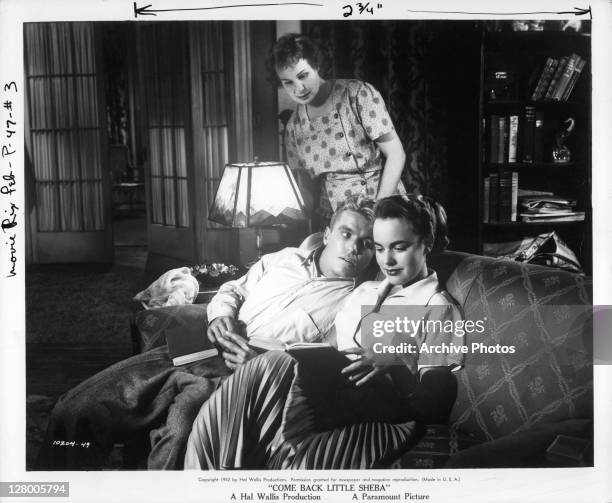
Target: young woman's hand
(364,369)
(235,350)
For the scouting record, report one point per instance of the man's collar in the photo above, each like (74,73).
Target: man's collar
(312,260)
(310,255)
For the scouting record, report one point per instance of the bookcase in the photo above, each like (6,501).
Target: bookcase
(524,116)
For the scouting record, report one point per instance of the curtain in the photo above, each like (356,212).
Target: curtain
(402,60)
(166,79)
(60,70)
(215,94)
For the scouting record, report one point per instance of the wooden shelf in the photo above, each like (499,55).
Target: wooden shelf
(536,104)
(526,225)
(531,165)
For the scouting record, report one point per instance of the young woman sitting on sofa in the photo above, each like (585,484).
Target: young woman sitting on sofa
(279,412)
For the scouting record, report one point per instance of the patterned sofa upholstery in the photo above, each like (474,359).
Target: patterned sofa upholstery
(510,408)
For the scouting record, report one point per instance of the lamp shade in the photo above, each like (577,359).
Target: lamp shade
(259,194)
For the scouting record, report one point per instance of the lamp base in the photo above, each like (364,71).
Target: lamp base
(246,251)
(259,242)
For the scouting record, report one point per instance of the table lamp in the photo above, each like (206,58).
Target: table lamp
(257,195)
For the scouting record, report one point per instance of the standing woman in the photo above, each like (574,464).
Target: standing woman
(340,132)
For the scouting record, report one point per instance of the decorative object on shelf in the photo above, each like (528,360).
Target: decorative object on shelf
(258,195)
(571,25)
(214,274)
(520,25)
(501,85)
(528,25)
(560,153)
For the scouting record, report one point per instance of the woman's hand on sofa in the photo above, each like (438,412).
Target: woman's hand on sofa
(236,351)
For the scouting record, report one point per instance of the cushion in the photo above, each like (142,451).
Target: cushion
(153,323)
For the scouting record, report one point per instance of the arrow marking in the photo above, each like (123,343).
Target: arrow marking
(145,11)
(577,12)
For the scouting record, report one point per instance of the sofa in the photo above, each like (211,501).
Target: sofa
(533,407)
(530,408)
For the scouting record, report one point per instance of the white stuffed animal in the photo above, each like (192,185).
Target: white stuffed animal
(173,288)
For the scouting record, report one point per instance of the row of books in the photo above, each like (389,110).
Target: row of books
(517,138)
(503,202)
(500,197)
(558,78)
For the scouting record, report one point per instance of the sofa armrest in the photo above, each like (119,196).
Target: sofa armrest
(526,449)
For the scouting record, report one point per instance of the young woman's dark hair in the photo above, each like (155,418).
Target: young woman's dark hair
(292,47)
(428,218)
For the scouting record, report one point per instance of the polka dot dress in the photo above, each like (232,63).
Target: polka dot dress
(339,147)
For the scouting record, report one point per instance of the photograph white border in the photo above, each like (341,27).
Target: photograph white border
(504,485)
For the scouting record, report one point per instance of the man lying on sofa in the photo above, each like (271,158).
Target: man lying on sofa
(292,295)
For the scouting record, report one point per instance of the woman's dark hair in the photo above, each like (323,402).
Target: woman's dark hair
(292,47)
(427,217)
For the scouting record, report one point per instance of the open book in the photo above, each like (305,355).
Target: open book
(321,357)
(261,344)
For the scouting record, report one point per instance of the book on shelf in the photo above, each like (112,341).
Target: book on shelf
(505,196)
(572,83)
(573,216)
(508,133)
(558,78)
(493,137)
(493,197)
(546,203)
(502,152)
(500,197)
(522,193)
(538,137)
(528,134)
(555,79)
(565,78)
(486,195)
(514,197)
(508,196)
(513,132)
(189,343)
(544,208)
(545,76)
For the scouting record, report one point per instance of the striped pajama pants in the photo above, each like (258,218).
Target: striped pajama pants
(268,414)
